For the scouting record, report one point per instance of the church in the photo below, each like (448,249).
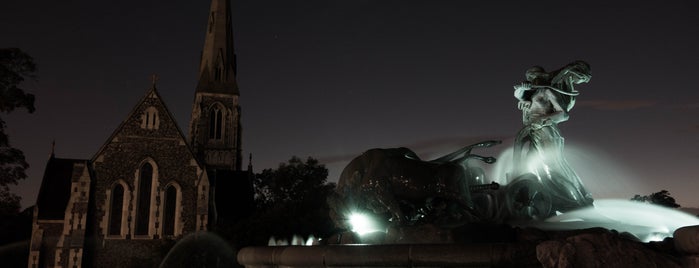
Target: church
(149,184)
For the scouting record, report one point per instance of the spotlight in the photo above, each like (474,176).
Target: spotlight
(362,224)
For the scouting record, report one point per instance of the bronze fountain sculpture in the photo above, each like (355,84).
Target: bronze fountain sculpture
(446,213)
(400,189)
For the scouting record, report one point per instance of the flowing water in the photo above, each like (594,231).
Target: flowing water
(603,177)
(645,221)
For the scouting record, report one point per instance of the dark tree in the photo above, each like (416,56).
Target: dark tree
(15,67)
(661,198)
(292,182)
(290,200)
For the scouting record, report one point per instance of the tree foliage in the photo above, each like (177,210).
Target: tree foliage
(662,198)
(15,67)
(291,182)
(290,200)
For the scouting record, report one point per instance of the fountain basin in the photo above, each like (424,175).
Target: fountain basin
(400,255)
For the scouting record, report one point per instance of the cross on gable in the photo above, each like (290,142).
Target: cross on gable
(154,79)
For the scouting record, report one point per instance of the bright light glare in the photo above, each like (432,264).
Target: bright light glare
(362,224)
(310,241)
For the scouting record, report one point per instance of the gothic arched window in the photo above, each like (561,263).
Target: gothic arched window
(145,181)
(116,207)
(170,210)
(216,124)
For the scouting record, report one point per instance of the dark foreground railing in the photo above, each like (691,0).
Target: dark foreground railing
(423,255)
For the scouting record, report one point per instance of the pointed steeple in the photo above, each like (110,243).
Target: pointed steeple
(217,69)
(215,129)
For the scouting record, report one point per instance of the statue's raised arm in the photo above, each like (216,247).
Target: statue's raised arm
(565,79)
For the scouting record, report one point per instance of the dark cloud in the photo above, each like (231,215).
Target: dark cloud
(692,106)
(616,105)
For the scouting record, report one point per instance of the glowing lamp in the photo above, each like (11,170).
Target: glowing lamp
(362,224)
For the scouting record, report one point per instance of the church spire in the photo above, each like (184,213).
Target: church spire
(217,69)
(215,129)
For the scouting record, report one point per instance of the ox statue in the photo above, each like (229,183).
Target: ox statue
(399,187)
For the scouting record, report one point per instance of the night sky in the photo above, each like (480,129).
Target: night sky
(333,78)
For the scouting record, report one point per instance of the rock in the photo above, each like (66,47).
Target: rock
(687,239)
(601,249)
(690,261)
(555,254)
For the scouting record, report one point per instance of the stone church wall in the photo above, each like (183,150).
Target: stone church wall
(120,160)
(141,253)
(51,235)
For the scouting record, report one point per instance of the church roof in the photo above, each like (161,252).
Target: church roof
(55,192)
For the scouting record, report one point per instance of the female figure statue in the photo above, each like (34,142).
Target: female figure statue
(545,100)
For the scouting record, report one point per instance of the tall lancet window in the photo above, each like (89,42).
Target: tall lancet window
(216,124)
(145,181)
(115,210)
(170,210)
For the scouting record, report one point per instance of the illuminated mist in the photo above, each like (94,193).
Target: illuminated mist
(647,222)
(605,179)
